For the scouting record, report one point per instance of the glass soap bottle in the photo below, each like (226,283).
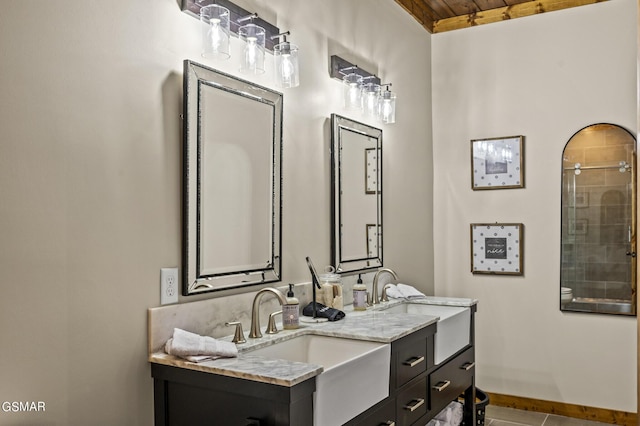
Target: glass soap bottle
(291,311)
(359,295)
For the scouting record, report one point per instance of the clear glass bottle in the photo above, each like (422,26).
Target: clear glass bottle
(331,290)
(359,295)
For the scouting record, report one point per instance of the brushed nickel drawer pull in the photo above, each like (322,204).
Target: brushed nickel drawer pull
(468,366)
(413,361)
(415,404)
(388,423)
(442,385)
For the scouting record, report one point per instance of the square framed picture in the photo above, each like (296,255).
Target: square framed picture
(580,200)
(578,226)
(497,248)
(497,163)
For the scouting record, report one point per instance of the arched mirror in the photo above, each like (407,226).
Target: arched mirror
(598,248)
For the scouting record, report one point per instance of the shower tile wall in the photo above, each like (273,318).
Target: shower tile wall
(596,231)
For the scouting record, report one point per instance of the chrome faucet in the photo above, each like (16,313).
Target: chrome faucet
(255,311)
(376,297)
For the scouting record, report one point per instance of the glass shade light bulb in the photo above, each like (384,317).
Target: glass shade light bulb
(387,108)
(250,52)
(285,61)
(252,61)
(218,36)
(286,69)
(370,98)
(215,32)
(352,91)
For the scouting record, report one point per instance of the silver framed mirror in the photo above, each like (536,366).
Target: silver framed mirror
(356,195)
(232,182)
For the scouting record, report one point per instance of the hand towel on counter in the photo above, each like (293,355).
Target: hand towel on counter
(323,311)
(196,348)
(404,291)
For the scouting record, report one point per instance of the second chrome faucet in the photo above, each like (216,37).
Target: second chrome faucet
(255,310)
(376,297)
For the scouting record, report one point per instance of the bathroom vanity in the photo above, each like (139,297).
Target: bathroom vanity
(258,388)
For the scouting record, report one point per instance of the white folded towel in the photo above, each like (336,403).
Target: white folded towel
(451,415)
(196,348)
(403,291)
(410,292)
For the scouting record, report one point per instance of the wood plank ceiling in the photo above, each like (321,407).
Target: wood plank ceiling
(437,16)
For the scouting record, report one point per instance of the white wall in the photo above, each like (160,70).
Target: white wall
(544,77)
(90,149)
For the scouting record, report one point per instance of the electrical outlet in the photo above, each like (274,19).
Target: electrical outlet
(168,286)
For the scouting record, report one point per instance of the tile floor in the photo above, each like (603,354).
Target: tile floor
(502,416)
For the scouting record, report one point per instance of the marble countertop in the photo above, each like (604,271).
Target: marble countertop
(371,325)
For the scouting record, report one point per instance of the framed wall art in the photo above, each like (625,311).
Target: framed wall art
(497,248)
(497,163)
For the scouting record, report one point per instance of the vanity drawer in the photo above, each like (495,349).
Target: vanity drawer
(411,360)
(383,413)
(449,381)
(411,402)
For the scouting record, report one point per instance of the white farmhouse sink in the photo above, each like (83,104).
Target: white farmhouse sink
(355,376)
(454,326)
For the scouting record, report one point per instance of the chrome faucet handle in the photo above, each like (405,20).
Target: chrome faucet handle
(238,337)
(384,297)
(271,326)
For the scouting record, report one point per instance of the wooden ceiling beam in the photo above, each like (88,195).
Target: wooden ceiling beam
(508,12)
(418,10)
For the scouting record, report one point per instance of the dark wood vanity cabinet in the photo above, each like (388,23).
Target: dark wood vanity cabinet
(418,389)
(193,398)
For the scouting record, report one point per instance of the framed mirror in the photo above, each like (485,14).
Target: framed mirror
(232,182)
(598,247)
(356,189)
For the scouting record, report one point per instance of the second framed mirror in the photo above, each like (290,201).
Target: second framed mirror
(356,187)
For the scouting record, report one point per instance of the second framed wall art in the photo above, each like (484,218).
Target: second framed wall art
(497,248)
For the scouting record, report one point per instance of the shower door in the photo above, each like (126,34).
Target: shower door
(598,248)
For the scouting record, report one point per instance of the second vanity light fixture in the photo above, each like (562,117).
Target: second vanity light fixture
(364,91)
(222,18)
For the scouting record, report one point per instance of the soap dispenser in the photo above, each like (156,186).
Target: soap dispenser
(359,295)
(291,311)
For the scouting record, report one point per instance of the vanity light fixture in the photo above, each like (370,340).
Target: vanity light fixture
(364,90)
(216,32)
(254,36)
(286,62)
(198,8)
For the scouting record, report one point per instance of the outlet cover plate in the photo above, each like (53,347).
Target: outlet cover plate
(168,286)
